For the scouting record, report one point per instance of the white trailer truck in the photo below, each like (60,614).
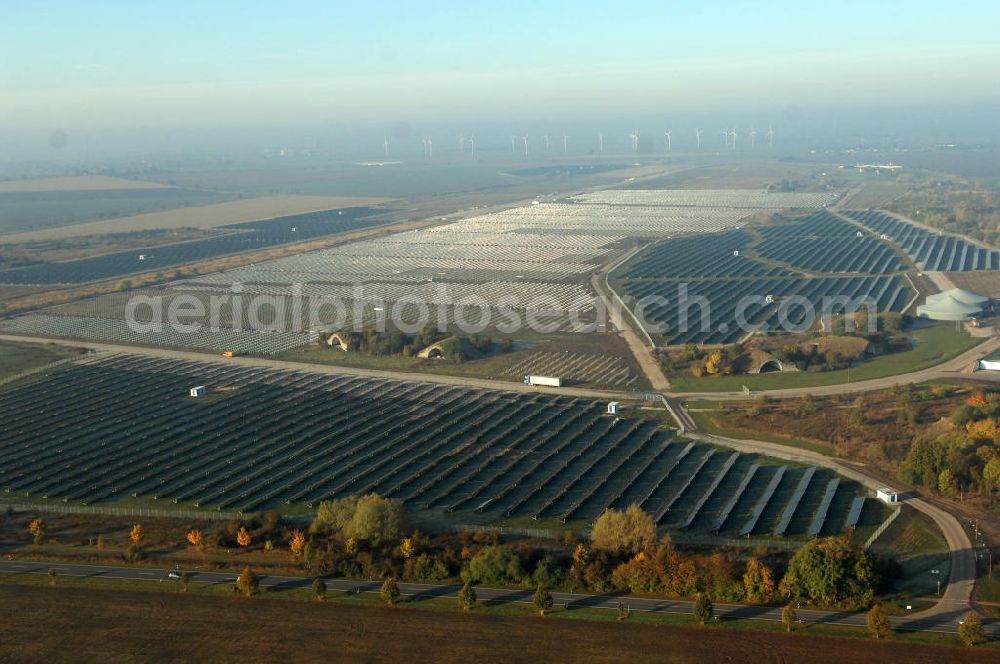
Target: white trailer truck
(548,381)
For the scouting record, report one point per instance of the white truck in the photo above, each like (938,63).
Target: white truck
(549,381)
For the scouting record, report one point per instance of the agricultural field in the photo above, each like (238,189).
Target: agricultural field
(930,250)
(69,624)
(202,216)
(76,183)
(263,438)
(247,236)
(22,211)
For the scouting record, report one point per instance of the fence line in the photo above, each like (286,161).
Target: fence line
(882,528)
(123,511)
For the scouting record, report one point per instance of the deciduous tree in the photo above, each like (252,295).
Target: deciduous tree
(297,543)
(243,537)
(629,531)
(136,535)
(195,538)
(758,581)
(38,528)
(703,608)
(319,588)
(542,600)
(248,583)
(970,630)
(878,622)
(789,617)
(467,596)
(407,548)
(390,591)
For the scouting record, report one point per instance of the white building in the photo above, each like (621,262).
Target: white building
(198,391)
(954,304)
(887,495)
(613,408)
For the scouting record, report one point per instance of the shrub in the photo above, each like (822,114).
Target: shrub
(970,630)
(495,565)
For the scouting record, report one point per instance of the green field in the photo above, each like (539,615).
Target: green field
(16,357)
(706,423)
(933,345)
(915,542)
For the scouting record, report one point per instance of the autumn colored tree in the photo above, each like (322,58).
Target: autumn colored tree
(390,591)
(970,630)
(351,546)
(136,535)
(758,581)
(991,473)
(185,581)
(243,537)
(38,528)
(878,622)
(297,543)
(319,588)
(195,538)
(542,600)
(703,610)
(629,531)
(983,431)
(789,617)
(407,548)
(467,596)
(248,582)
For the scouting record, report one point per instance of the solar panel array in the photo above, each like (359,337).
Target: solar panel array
(930,250)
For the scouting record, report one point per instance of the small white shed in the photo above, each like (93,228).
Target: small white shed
(613,408)
(887,495)
(198,391)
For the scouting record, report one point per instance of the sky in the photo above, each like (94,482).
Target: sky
(76,65)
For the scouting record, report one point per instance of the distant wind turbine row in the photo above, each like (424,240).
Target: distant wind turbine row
(519,145)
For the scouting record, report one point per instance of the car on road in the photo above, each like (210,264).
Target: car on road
(174,575)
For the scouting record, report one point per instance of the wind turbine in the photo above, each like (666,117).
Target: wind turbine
(565,143)
(770,136)
(733,135)
(669,144)
(472,146)
(461,143)
(600,143)
(512,139)
(697,137)
(546,139)
(635,140)
(430,148)
(753,138)
(725,136)
(424,141)
(525,139)
(385,144)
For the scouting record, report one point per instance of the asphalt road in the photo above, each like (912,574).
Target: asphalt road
(493,595)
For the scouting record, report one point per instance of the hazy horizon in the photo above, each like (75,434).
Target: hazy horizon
(93,81)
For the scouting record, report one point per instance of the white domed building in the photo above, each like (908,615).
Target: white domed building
(955,304)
